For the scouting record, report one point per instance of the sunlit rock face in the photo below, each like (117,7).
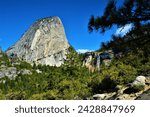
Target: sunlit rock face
(44,43)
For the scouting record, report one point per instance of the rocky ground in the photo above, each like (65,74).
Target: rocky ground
(144,96)
(128,93)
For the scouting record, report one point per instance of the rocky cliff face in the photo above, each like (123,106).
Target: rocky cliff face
(44,43)
(93,60)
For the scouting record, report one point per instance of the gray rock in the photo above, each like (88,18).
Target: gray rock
(38,71)
(25,72)
(3,66)
(93,60)
(44,43)
(10,72)
(104,96)
(2,74)
(140,80)
(123,97)
(99,97)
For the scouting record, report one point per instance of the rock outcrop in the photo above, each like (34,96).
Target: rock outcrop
(44,43)
(93,60)
(127,92)
(12,72)
(140,80)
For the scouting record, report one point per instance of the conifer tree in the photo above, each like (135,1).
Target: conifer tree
(131,11)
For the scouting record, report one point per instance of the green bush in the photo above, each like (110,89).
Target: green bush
(144,69)
(120,72)
(2,96)
(49,95)
(4,60)
(16,96)
(73,89)
(24,65)
(138,88)
(107,84)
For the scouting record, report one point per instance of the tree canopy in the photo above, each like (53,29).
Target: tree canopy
(131,11)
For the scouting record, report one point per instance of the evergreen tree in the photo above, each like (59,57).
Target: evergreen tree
(132,11)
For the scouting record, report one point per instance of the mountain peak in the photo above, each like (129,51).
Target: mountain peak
(44,42)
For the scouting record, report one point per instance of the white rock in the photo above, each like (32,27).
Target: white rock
(99,96)
(38,71)
(140,80)
(25,71)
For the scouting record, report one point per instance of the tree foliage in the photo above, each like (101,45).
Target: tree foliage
(131,11)
(136,40)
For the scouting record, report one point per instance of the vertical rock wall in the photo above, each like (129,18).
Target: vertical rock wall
(44,43)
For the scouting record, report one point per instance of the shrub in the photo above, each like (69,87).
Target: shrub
(138,88)
(24,65)
(4,60)
(144,69)
(2,96)
(49,95)
(73,89)
(16,95)
(107,84)
(134,89)
(120,73)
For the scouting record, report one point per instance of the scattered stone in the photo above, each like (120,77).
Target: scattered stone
(3,66)
(140,80)
(38,71)
(104,96)
(10,72)
(123,97)
(110,96)
(99,97)
(25,72)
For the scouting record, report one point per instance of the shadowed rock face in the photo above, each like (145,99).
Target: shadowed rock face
(44,43)
(93,60)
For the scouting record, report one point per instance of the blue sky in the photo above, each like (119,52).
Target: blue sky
(16,16)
